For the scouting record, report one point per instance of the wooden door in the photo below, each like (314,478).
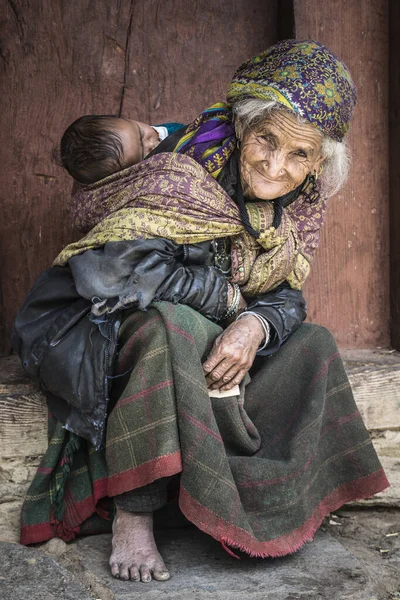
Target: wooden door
(148,60)
(348,290)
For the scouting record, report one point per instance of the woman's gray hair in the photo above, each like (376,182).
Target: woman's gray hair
(250,114)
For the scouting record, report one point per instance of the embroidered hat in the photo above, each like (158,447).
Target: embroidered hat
(305,77)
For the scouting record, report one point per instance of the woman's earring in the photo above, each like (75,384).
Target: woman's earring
(318,173)
(238,144)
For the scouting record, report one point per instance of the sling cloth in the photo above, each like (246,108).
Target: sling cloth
(172,196)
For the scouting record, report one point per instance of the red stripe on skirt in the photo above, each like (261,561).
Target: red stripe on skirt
(82,510)
(162,466)
(144,393)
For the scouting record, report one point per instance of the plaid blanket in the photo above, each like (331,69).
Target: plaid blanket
(258,472)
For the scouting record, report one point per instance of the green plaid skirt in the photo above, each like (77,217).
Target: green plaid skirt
(258,472)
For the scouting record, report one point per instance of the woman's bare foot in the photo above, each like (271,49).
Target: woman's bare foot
(134,552)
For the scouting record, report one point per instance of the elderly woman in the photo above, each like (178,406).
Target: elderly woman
(194,262)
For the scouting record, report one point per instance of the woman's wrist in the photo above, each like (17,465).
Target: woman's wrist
(233,302)
(263,327)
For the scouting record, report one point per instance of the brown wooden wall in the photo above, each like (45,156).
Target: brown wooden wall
(348,290)
(394,165)
(157,60)
(149,60)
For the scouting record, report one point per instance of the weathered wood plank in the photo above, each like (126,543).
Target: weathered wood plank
(23,424)
(375,380)
(60,60)
(187,61)
(394,152)
(391,496)
(146,60)
(377,394)
(348,289)
(387,446)
(387,443)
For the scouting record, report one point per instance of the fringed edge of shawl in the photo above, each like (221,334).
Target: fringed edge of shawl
(216,527)
(229,535)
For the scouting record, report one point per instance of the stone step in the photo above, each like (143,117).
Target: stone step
(200,569)
(28,573)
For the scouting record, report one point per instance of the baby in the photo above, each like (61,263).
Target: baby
(95,146)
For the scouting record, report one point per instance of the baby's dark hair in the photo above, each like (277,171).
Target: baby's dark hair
(90,149)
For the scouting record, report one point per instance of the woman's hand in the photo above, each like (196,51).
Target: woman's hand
(233,353)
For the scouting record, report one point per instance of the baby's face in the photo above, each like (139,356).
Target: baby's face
(138,140)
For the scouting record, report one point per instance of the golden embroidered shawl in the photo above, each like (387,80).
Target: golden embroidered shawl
(172,196)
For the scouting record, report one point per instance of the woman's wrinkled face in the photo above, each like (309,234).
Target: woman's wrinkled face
(277,156)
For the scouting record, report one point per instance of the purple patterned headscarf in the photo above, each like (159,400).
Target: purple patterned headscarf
(305,77)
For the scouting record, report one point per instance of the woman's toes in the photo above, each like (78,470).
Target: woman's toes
(135,575)
(161,574)
(145,574)
(114,569)
(124,572)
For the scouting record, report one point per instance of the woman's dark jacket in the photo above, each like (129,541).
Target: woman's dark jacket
(71,352)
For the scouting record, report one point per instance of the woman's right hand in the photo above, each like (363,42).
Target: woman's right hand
(233,353)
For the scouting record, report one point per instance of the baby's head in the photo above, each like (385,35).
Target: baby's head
(95,146)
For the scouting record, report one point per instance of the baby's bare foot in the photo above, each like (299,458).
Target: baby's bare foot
(134,552)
